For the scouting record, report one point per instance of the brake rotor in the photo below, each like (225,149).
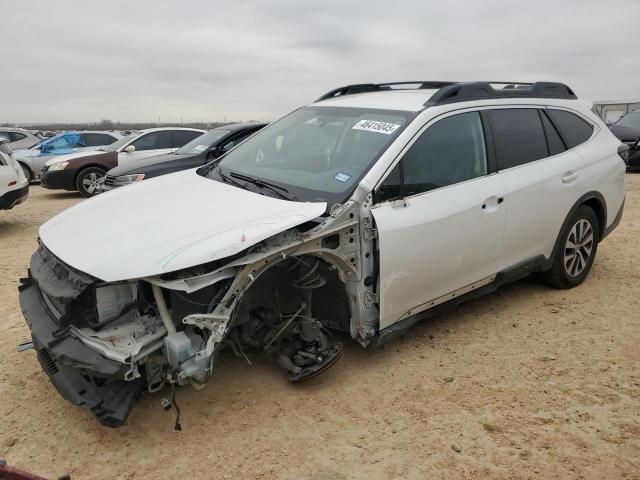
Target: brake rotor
(333,355)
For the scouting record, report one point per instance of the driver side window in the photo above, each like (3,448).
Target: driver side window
(450,151)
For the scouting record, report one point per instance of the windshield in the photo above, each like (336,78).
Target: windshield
(115,146)
(630,120)
(317,153)
(203,142)
(45,141)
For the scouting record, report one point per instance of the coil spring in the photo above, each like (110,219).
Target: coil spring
(308,277)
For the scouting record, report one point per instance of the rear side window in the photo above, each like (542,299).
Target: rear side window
(182,137)
(153,141)
(15,136)
(573,129)
(236,140)
(518,136)
(555,143)
(97,139)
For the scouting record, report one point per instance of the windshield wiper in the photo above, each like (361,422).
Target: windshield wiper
(277,189)
(224,177)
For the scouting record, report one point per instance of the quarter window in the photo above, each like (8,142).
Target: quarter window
(450,151)
(574,130)
(518,136)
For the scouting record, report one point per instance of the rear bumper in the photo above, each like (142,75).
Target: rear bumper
(58,180)
(14,197)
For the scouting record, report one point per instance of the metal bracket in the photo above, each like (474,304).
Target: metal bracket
(370,233)
(371,298)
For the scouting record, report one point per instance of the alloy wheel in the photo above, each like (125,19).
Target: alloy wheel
(578,248)
(92,182)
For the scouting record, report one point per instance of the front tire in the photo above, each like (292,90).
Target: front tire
(89,181)
(575,250)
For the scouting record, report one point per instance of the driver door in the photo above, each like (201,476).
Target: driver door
(440,219)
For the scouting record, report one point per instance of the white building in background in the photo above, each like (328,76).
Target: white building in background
(611,111)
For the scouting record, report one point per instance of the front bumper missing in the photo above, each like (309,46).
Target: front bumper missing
(79,373)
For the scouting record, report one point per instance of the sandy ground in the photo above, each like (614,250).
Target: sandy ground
(529,382)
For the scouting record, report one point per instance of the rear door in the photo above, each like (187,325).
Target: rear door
(540,176)
(439,217)
(148,145)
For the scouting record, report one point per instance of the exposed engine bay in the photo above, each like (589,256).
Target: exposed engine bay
(102,344)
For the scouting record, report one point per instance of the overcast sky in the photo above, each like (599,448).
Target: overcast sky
(206,60)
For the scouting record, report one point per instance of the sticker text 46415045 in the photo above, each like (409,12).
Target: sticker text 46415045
(375,126)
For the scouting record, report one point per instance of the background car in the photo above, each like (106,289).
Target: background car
(18,138)
(14,186)
(33,159)
(199,151)
(85,171)
(627,129)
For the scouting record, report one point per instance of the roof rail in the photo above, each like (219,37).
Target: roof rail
(376,87)
(465,92)
(452,92)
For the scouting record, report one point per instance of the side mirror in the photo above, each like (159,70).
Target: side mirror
(130,149)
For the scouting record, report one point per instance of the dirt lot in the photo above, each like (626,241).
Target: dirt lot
(526,383)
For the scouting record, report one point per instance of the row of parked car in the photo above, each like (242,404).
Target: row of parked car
(80,160)
(91,162)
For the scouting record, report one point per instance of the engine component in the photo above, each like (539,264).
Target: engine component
(181,352)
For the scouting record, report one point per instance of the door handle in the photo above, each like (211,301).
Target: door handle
(492,203)
(569,177)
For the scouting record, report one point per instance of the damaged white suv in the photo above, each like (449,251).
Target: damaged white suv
(375,206)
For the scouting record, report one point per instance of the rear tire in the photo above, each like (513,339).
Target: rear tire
(575,251)
(89,181)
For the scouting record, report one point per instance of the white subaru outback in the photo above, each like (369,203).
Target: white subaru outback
(363,212)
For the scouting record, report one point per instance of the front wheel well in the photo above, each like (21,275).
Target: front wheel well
(84,167)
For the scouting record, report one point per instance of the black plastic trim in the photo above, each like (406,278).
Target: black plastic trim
(583,199)
(615,223)
(14,197)
(487,127)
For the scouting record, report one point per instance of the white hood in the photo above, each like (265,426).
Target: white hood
(166,224)
(70,156)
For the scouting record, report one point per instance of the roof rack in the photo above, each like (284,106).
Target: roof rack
(465,92)
(376,87)
(452,92)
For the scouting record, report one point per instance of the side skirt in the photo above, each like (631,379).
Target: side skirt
(535,264)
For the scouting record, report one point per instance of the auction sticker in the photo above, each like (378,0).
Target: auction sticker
(341,177)
(375,126)
(201,148)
